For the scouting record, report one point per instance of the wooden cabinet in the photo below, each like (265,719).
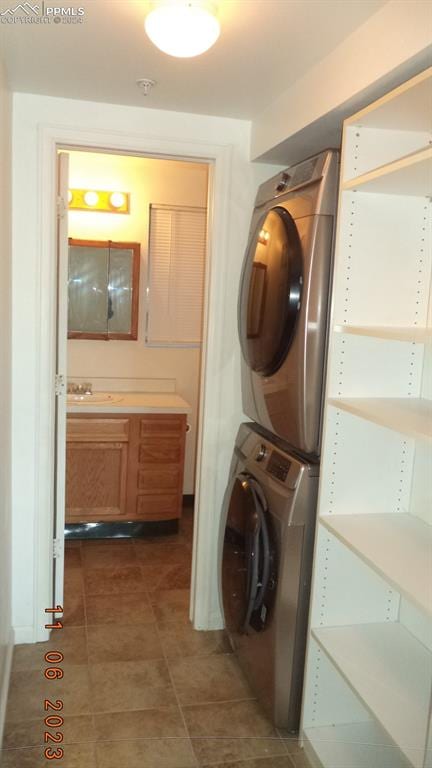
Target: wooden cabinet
(124,467)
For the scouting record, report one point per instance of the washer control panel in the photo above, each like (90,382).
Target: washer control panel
(278,466)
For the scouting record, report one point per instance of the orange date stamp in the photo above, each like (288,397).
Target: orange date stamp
(53,672)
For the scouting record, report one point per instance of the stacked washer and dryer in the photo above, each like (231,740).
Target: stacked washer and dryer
(268,521)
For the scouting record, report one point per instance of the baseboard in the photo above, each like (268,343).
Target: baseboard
(214,621)
(4,682)
(24,635)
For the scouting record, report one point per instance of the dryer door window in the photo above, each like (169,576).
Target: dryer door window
(248,562)
(271,292)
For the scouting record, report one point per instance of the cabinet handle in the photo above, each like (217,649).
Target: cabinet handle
(188,427)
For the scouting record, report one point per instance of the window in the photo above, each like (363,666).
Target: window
(176,268)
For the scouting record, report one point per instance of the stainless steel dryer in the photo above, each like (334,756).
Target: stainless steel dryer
(283,302)
(266,549)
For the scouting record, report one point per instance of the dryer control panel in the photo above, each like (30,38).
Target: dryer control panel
(323,167)
(303,172)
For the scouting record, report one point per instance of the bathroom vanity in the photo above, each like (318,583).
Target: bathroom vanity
(125,457)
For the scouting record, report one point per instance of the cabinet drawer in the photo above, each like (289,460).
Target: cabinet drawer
(158,507)
(97,430)
(160,450)
(159,479)
(171,425)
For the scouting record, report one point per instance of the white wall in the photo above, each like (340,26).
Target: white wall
(235,184)
(6,637)
(148,180)
(390,47)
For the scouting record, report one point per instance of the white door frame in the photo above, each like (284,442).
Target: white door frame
(204,611)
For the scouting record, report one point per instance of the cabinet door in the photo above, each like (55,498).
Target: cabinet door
(156,461)
(96,480)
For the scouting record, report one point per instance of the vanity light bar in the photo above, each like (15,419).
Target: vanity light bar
(99,200)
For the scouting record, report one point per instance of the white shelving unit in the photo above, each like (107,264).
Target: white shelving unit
(368,683)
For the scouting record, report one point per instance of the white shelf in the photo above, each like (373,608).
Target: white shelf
(410,175)
(414,334)
(397,546)
(409,415)
(354,745)
(405,108)
(391,672)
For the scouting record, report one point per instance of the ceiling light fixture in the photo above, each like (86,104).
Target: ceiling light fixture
(183,28)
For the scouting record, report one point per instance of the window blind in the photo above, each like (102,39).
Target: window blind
(176,264)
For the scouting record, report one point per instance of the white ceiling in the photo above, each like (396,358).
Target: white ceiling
(265,45)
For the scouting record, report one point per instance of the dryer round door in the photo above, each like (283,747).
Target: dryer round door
(248,559)
(270,294)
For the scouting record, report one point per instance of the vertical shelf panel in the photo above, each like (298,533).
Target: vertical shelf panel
(383,260)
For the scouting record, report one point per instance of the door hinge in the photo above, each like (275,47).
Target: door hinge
(57,548)
(61,207)
(60,384)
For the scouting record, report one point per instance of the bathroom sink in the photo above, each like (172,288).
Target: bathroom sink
(94,399)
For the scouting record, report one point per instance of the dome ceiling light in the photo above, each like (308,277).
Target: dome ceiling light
(183,28)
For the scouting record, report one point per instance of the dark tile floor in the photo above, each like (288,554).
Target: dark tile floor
(141,688)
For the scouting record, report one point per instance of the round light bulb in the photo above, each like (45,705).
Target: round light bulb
(117,199)
(183,29)
(91,198)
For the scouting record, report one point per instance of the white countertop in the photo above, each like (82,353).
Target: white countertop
(133,402)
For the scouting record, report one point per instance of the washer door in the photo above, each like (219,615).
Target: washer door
(248,563)
(270,294)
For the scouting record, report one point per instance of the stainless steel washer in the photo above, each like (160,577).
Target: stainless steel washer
(266,548)
(283,301)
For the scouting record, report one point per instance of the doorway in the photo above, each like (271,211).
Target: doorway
(220,410)
(146,364)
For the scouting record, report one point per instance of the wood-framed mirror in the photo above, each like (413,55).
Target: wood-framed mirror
(103,290)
